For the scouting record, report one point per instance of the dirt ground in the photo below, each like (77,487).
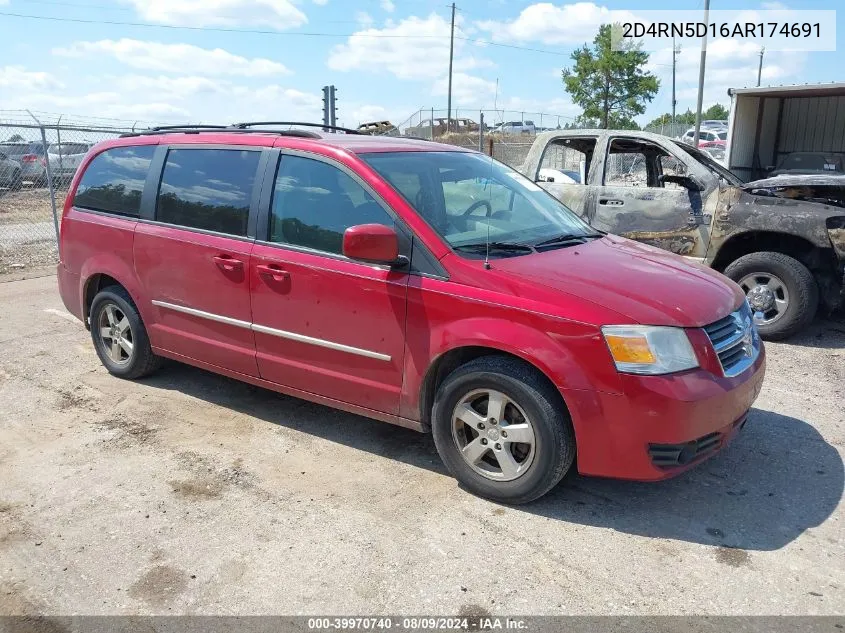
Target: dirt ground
(194,494)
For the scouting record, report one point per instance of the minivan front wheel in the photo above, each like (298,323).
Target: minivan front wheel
(119,336)
(502,430)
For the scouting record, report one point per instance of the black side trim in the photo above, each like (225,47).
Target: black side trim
(148,197)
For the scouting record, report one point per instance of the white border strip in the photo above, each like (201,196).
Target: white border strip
(263,329)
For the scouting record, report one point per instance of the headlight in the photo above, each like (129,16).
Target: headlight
(644,349)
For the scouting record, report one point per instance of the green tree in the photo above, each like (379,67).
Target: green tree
(610,86)
(716,112)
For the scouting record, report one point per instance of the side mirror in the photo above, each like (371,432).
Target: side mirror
(374,243)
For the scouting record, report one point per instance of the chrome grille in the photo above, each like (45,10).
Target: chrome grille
(735,340)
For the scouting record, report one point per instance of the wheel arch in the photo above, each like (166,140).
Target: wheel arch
(455,357)
(747,242)
(98,274)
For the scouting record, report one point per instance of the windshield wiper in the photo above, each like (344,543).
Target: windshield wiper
(567,238)
(495,246)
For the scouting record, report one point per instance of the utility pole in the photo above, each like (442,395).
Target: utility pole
(760,66)
(451,56)
(675,51)
(701,75)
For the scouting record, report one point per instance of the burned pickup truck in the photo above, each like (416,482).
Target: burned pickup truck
(782,241)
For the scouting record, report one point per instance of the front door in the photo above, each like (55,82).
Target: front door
(325,324)
(193,260)
(635,202)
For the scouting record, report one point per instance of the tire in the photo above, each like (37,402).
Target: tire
(123,363)
(799,288)
(531,402)
(16,182)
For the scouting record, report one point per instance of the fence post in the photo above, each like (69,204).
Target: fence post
(432,124)
(490,145)
(50,184)
(480,130)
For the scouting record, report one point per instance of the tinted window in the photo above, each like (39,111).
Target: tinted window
(314,203)
(207,189)
(115,179)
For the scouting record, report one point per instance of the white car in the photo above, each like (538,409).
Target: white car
(65,158)
(515,127)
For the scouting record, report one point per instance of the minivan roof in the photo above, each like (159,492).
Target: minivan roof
(354,143)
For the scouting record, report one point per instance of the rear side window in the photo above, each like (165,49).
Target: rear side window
(114,180)
(208,189)
(314,203)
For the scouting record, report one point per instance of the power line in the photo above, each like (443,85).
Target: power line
(220,29)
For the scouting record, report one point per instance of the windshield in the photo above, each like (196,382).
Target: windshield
(705,159)
(469,198)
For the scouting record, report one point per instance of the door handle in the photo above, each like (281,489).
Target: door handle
(228,263)
(273,271)
(611,202)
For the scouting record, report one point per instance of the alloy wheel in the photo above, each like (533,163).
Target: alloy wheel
(493,434)
(115,334)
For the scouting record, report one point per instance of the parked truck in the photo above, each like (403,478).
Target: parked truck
(785,248)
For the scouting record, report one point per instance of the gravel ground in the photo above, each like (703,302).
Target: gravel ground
(27,233)
(192,493)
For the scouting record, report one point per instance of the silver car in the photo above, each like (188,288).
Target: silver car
(10,172)
(31,156)
(65,158)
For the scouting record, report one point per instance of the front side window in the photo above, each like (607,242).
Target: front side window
(468,198)
(315,202)
(114,180)
(208,189)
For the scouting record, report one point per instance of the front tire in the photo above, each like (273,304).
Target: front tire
(502,430)
(781,288)
(17,182)
(119,336)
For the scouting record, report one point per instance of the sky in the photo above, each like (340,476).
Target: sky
(268,59)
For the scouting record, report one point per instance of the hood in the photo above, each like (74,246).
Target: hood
(647,285)
(797,179)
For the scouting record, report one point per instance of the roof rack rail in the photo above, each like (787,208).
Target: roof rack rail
(176,129)
(336,128)
(187,127)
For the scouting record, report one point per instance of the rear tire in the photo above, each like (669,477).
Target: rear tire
(794,287)
(119,336)
(475,407)
(16,182)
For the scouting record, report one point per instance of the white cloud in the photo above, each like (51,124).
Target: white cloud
(550,24)
(174,58)
(388,6)
(467,90)
(17,78)
(170,88)
(321,2)
(278,14)
(364,19)
(396,50)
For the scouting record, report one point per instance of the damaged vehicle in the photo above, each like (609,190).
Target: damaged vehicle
(782,241)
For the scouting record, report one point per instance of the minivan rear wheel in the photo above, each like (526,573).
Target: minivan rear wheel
(502,430)
(119,336)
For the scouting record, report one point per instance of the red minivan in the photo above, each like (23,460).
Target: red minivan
(416,283)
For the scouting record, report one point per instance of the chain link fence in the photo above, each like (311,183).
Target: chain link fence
(38,159)
(507,135)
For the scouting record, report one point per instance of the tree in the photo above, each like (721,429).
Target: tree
(716,112)
(610,86)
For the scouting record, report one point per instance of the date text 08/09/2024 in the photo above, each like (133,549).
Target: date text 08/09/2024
(713,30)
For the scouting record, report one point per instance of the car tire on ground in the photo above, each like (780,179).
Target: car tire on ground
(779,286)
(16,182)
(119,336)
(502,430)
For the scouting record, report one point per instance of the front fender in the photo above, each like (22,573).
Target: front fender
(570,354)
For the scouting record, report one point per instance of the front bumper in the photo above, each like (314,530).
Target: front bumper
(661,425)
